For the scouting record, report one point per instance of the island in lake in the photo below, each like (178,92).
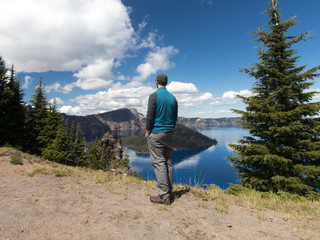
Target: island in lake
(184,139)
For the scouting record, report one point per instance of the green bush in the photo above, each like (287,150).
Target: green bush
(16,160)
(236,190)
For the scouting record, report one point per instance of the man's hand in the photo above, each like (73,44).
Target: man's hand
(148,132)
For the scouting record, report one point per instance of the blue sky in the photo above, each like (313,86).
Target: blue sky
(100,55)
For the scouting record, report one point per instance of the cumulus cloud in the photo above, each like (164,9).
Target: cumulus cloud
(193,99)
(117,96)
(56,100)
(180,87)
(54,87)
(92,83)
(73,35)
(192,102)
(233,94)
(156,60)
(99,69)
(70,110)
(27,81)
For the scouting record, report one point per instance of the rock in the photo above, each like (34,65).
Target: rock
(121,171)
(113,146)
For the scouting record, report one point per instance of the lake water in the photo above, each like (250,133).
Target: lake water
(198,167)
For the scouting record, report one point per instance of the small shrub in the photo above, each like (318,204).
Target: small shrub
(236,190)
(203,205)
(222,206)
(289,197)
(16,160)
(262,217)
(62,172)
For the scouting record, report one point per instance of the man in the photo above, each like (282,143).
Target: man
(162,116)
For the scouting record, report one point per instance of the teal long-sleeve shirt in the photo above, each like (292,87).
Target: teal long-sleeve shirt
(162,111)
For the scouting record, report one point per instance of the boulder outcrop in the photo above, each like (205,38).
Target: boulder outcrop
(112,146)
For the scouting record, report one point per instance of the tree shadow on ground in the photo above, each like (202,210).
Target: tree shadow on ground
(178,194)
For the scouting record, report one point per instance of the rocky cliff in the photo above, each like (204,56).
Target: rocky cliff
(125,121)
(112,146)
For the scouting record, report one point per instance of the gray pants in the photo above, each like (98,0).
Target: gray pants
(160,149)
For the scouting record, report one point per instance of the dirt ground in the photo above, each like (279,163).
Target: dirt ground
(49,207)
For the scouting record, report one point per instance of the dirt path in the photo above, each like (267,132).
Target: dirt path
(49,207)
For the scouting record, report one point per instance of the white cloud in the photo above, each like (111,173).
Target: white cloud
(92,83)
(205,96)
(27,81)
(54,87)
(67,88)
(117,96)
(57,87)
(180,87)
(57,100)
(61,35)
(156,60)
(233,94)
(91,38)
(70,110)
(192,103)
(99,69)
(149,42)
(193,99)
(317,95)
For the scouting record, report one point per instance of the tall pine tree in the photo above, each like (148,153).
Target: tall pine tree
(96,156)
(12,111)
(60,148)
(51,126)
(283,151)
(4,100)
(78,153)
(38,120)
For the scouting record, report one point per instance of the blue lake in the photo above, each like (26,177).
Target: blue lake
(198,167)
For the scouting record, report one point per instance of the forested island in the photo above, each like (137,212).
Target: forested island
(184,139)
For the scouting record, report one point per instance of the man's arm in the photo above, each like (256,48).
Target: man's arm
(176,114)
(151,113)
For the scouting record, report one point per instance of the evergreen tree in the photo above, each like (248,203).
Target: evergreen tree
(60,149)
(12,111)
(38,120)
(51,125)
(79,154)
(283,152)
(3,102)
(96,156)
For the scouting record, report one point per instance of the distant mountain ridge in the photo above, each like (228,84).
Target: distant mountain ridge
(203,123)
(129,122)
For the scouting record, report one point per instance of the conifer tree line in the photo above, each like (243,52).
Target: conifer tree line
(283,151)
(41,130)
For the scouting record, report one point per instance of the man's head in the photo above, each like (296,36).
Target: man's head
(162,79)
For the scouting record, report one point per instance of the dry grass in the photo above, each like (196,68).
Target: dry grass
(283,203)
